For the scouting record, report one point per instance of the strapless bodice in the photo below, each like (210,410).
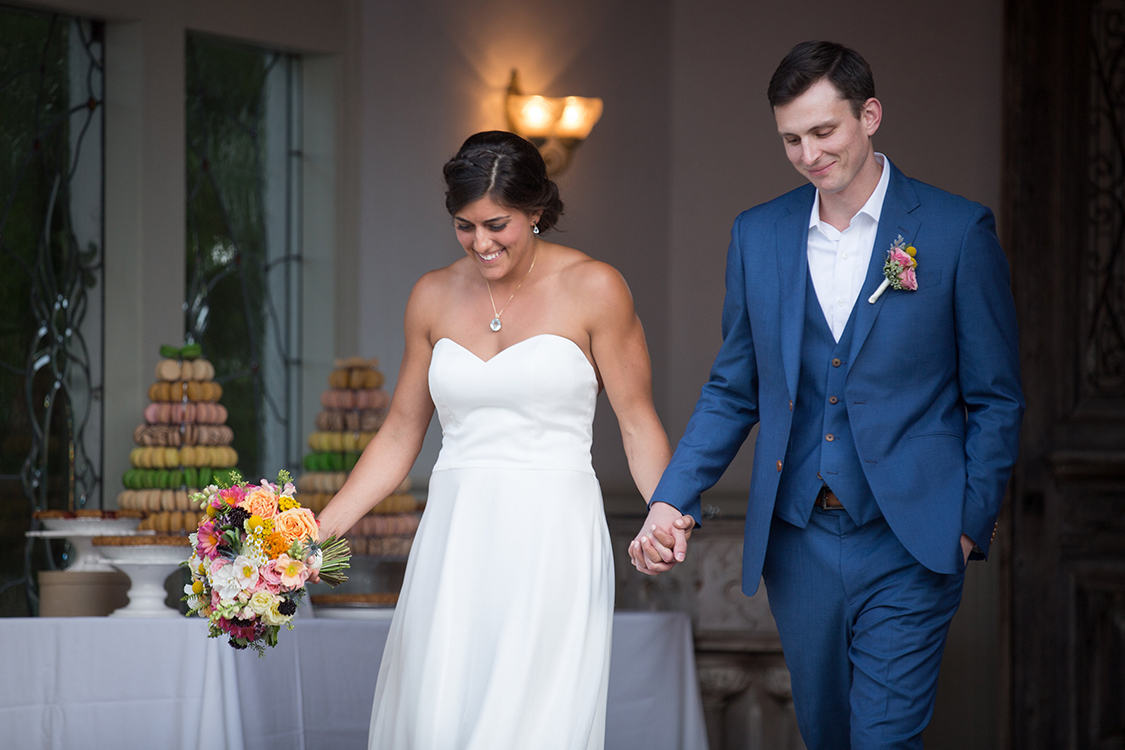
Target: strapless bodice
(529,407)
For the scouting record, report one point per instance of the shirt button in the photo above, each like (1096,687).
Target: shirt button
(839,303)
(833,400)
(836,362)
(779,466)
(830,437)
(845,256)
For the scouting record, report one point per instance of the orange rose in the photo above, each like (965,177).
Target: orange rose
(295,524)
(260,501)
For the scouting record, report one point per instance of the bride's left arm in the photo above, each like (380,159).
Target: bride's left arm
(617,342)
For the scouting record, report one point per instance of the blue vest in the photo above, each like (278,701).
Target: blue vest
(821,448)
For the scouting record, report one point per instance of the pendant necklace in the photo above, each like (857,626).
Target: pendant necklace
(495,324)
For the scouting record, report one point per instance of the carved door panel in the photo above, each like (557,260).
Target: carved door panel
(1064,228)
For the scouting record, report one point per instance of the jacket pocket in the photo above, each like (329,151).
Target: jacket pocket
(930,435)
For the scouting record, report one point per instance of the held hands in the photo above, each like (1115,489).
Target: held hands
(662,541)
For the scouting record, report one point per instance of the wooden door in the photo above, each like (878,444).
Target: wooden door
(1064,229)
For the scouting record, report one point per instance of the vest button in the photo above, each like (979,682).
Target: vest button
(833,400)
(830,437)
(836,362)
(819,477)
(779,466)
(790,406)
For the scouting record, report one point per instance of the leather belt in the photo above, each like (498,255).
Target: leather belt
(826,499)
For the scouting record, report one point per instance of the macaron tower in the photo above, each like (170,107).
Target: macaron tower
(352,411)
(183,445)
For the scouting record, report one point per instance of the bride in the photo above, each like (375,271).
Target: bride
(501,636)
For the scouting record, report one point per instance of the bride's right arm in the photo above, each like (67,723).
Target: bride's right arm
(387,459)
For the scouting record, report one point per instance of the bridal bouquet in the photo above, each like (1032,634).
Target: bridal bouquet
(251,556)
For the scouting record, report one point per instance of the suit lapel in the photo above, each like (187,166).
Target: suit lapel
(896,219)
(793,272)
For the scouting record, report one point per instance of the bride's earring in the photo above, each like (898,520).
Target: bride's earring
(535,228)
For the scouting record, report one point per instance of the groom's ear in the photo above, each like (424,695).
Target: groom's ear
(871,116)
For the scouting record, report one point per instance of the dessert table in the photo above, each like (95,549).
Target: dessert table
(141,683)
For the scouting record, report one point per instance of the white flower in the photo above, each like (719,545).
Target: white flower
(263,602)
(272,617)
(225,581)
(194,600)
(245,571)
(252,549)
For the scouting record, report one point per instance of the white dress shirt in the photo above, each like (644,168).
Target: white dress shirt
(838,260)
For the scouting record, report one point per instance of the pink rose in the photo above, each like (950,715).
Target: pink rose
(271,578)
(902,257)
(908,279)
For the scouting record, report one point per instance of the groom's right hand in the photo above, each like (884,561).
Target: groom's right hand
(662,541)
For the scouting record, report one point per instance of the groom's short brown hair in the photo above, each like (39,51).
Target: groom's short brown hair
(809,62)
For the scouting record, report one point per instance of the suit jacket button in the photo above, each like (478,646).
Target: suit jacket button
(830,437)
(779,466)
(836,362)
(833,400)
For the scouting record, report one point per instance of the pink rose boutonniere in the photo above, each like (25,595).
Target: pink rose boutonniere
(900,269)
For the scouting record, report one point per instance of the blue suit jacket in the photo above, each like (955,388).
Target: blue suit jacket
(932,390)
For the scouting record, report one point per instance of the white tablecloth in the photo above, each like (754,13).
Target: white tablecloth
(111,683)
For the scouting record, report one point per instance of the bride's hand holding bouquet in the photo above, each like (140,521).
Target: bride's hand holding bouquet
(251,557)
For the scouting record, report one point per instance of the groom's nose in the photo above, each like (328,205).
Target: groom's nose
(810,151)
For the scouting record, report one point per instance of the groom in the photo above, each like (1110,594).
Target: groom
(889,422)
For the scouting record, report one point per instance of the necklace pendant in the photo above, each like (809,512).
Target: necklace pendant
(495,324)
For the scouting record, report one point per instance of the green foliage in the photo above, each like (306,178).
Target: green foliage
(228,479)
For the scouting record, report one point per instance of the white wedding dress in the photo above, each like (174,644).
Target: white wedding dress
(501,636)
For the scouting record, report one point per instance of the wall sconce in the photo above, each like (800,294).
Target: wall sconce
(556,125)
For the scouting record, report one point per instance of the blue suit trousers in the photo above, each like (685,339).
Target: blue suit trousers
(863,627)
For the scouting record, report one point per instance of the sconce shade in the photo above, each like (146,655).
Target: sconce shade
(579,116)
(556,125)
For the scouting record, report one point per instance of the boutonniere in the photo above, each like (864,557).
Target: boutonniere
(899,270)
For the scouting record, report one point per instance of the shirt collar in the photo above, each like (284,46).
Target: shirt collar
(874,205)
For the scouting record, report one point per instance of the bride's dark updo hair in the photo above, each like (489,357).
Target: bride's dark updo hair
(506,168)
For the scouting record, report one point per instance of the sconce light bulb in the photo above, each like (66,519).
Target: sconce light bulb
(538,114)
(572,115)
(578,117)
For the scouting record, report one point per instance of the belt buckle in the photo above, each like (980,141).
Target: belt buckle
(822,499)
